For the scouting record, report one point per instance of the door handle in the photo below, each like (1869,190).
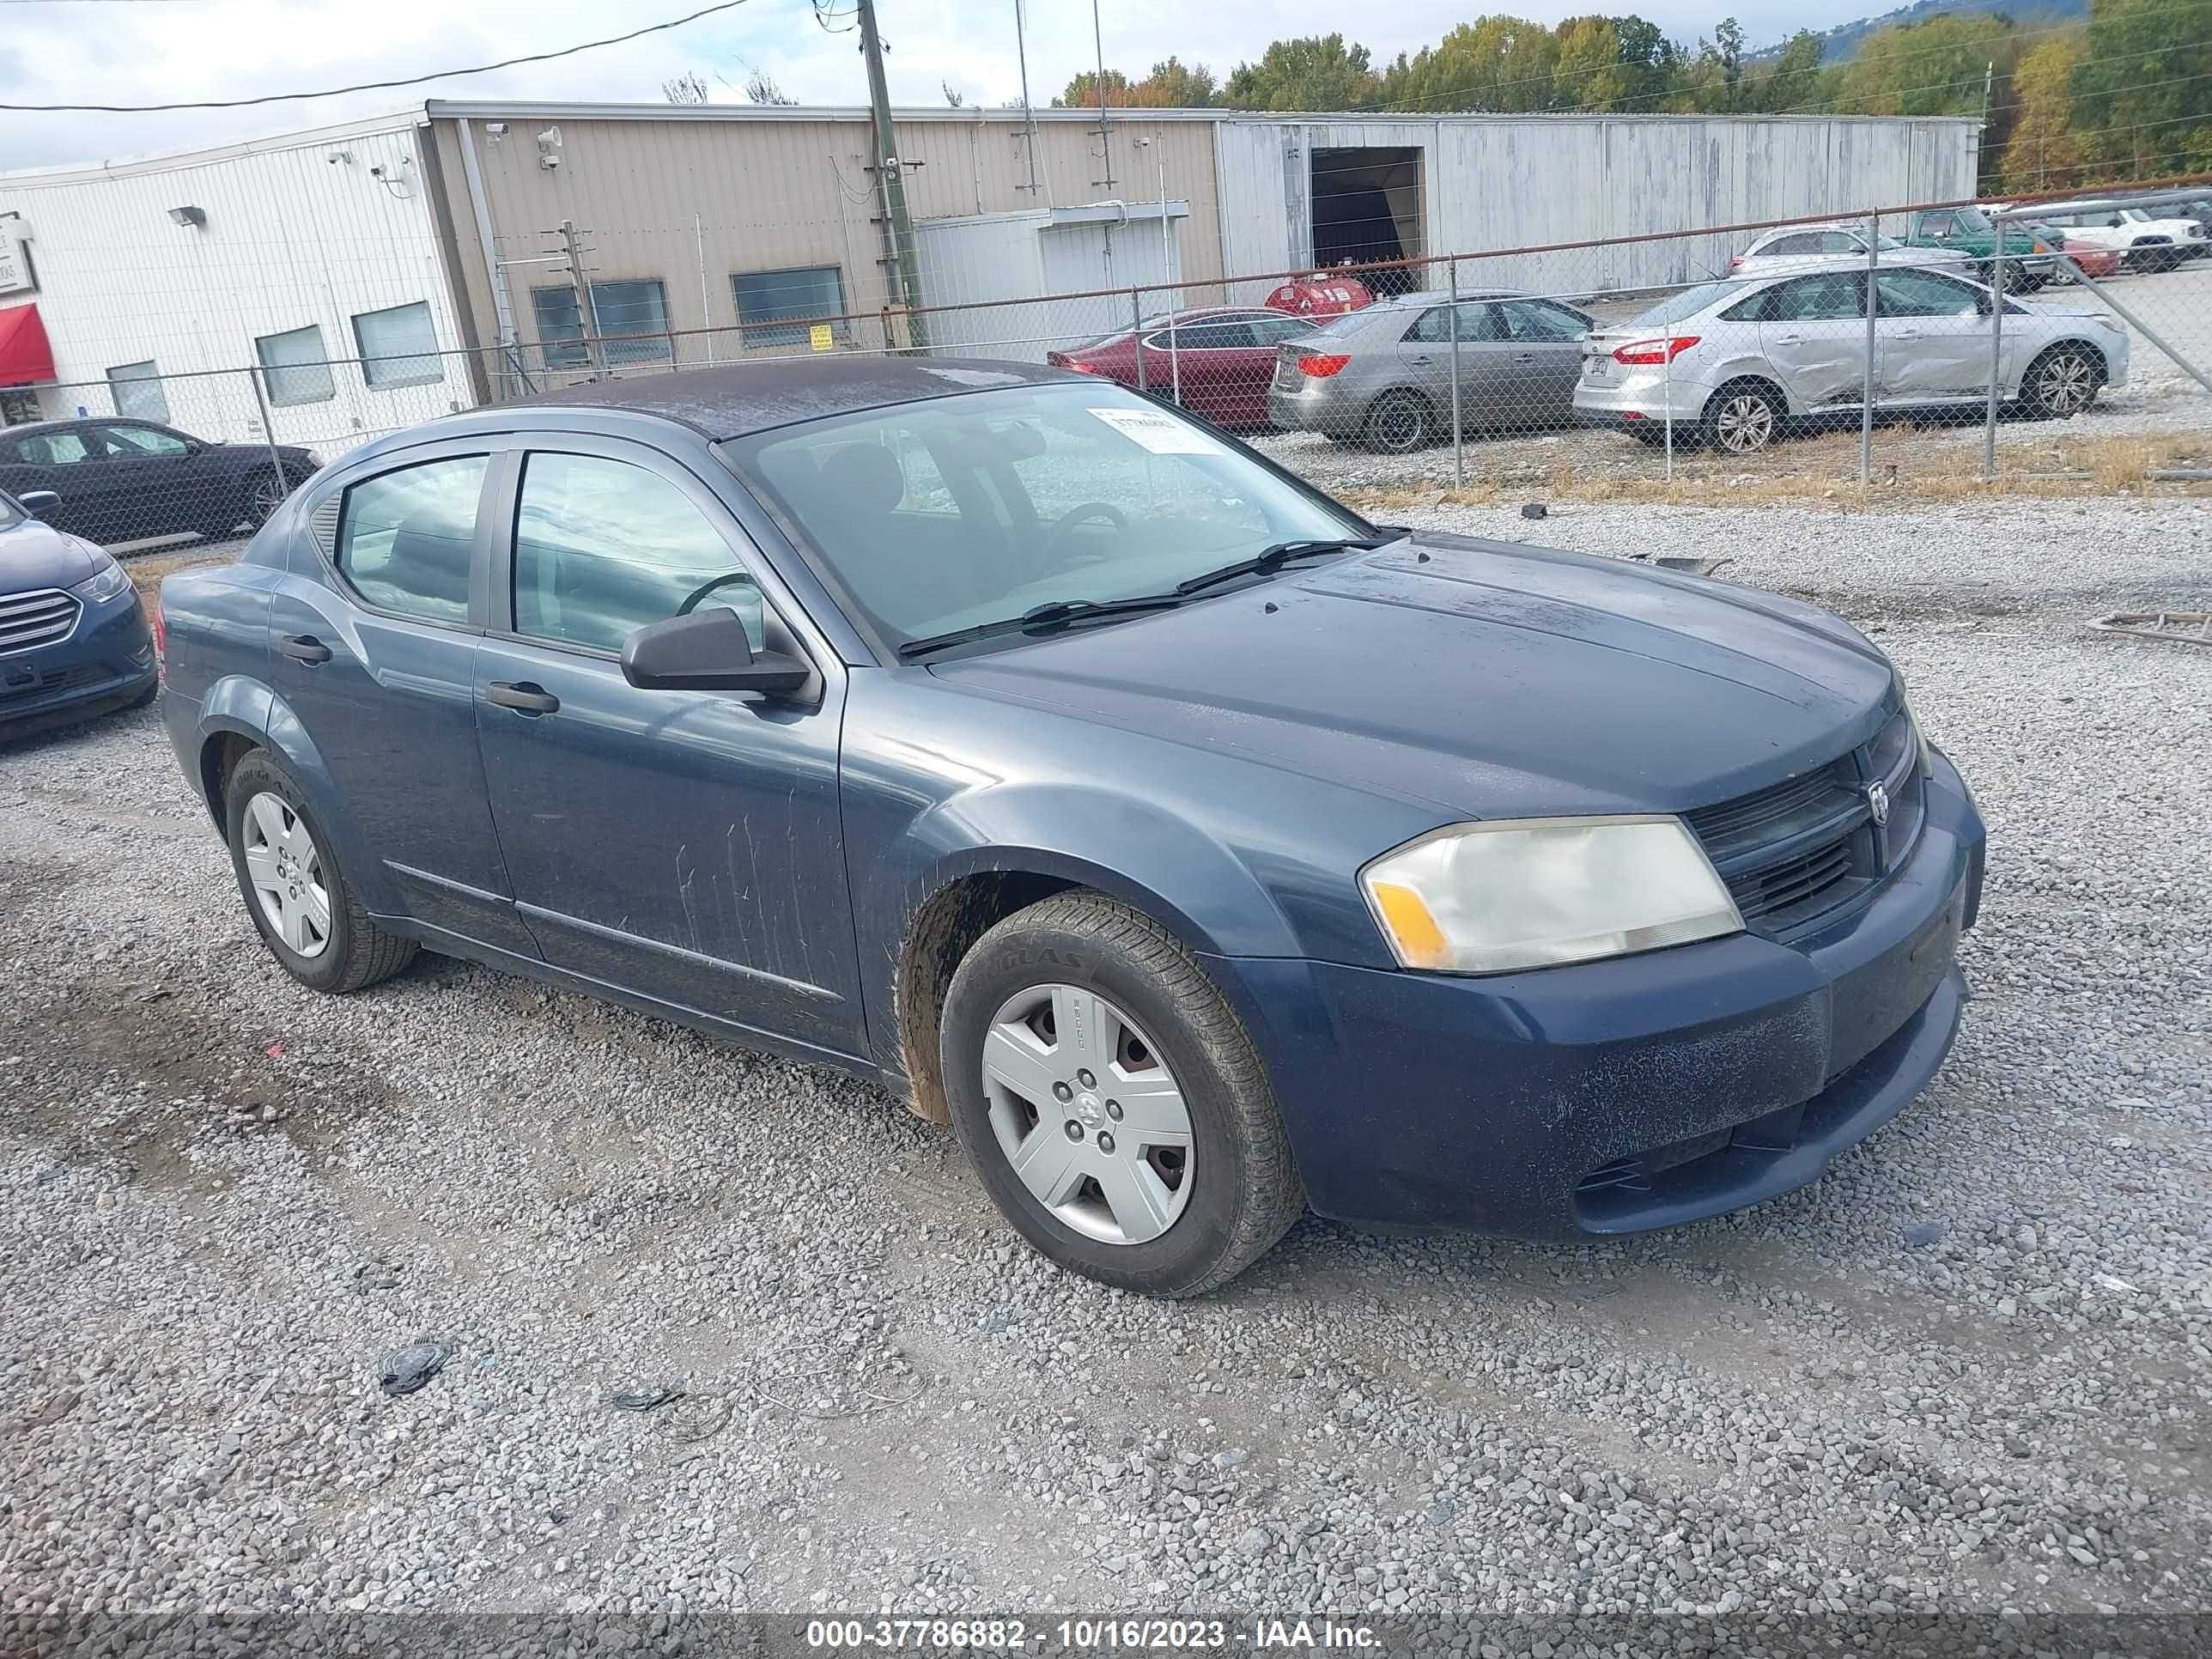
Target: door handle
(1421,362)
(1789,339)
(1524,356)
(304,647)
(522,696)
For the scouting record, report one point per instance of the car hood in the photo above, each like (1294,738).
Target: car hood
(35,554)
(1484,677)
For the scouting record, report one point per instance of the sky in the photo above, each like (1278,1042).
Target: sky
(132,52)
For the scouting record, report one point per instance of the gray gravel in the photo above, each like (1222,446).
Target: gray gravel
(1967,1370)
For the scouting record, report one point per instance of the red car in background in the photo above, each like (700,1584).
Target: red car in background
(1215,360)
(1324,294)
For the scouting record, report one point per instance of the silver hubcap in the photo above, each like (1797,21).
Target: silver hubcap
(268,495)
(1744,423)
(286,868)
(1088,1114)
(1398,427)
(2066,385)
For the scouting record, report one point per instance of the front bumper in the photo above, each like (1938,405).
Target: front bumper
(106,664)
(1617,1096)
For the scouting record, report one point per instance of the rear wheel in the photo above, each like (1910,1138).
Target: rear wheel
(1111,1101)
(266,495)
(1743,417)
(1399,423)
(2063,382)
(299,899)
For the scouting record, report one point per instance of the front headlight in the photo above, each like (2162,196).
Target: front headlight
(1489,898)
(102,585)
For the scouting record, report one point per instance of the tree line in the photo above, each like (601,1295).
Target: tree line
(2124,93)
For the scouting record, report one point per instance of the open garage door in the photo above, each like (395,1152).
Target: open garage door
(1366,207)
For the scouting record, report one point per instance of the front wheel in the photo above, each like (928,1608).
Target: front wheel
(1743,417)
(1112,1101)
(2063,382)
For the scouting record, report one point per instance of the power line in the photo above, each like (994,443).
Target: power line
(377,86)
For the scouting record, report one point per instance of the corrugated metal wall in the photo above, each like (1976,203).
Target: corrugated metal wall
(1509,181)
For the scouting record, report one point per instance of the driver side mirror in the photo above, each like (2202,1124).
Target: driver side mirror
(39,502)
(708,651)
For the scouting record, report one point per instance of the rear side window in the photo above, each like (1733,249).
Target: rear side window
(404,538)
(602,547)
(52,448)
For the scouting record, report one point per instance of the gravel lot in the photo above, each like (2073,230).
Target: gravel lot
(1968,1370)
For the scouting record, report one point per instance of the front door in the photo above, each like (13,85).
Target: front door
(1935,339)
(1813,330)
(1545,353)
(374,655)
(682,846)
(158,483)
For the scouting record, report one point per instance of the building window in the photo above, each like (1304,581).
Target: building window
(398,346)
(638,310)
(792,300)
(19,406)
(137,389)
(295,366)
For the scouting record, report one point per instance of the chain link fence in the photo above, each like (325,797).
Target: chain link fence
(2038,345)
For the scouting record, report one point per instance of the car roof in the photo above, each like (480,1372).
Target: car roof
(1440,296)
(735,399)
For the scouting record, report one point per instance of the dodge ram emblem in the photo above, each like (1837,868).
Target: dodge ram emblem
(1878,803)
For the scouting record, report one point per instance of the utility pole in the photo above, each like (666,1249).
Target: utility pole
(1105,142)
(587,307)
(890,182)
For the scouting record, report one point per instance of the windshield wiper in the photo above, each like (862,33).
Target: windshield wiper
(1053,614)
(1270,559)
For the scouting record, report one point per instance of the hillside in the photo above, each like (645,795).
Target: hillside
(1844,40)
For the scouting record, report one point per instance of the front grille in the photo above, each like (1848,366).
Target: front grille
(1797,850)
(54,679)
(42,617)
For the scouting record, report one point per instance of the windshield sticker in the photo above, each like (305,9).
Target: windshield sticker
(1158,431)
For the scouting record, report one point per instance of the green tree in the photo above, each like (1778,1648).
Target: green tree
(1172,85)
(2043,152)
(1651,62)
(2142,100)
(1588,72)
(1082,91)
(1495,62)
(1935,67)
(1313,72)
(1792,81)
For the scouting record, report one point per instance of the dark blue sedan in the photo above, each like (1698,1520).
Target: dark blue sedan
(73,636)
(1199,850)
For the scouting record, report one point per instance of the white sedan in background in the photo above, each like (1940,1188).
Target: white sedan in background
(1736,364)
(1829,247)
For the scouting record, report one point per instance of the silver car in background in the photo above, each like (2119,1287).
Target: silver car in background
(1381,376)
(1793,248)
(1734,364)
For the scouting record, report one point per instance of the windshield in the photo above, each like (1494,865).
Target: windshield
(933,516)
(1688,303)
(10,513)
(1971,219)
(1888,243)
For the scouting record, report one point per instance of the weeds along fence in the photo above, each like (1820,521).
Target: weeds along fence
(1715,348)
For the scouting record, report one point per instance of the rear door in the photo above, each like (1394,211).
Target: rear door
(1936,340)
(1209,369)
(372,637)
(1546,341)
(684,845)
(157,480)
(1812,331)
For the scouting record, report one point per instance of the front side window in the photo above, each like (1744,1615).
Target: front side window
(780,307)
(128,441)
(137,389)
(1688,303)
(1823,298)
(1922,294)
(398,346)
(404,538)
(602,547)
(1031,494)
(295,367)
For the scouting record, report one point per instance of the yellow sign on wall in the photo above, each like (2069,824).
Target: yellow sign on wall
(820,337)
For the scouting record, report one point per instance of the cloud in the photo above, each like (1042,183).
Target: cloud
(160,49)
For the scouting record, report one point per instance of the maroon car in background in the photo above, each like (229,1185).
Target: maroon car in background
(1216,361)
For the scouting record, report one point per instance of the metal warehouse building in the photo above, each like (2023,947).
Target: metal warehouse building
(702,232)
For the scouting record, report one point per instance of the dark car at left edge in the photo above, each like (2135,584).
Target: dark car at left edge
(125,480)
(74,640)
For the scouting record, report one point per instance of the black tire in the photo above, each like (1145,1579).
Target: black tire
(1732,424)
(356,952)
(2063,381)
(1245,1192)
(1398,423)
